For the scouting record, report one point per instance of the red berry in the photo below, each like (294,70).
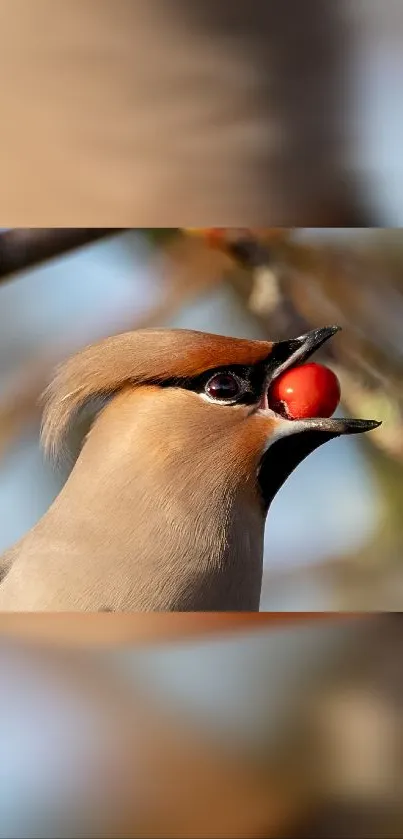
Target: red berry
(310,390)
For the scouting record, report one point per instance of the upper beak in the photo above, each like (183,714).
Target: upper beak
(287,354)
(294,440)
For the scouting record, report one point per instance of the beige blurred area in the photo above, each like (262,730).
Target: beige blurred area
(266,732)
(166,111)
(334,534)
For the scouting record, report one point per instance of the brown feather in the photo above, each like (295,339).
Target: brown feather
(162,510)
(138,357)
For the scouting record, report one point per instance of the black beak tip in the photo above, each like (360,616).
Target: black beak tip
(359,426)
(333,329)
(317,337)
(336,427)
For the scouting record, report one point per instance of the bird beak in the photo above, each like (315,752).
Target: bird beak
(293,440)
(286,354)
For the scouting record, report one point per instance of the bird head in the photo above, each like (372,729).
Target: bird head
(195,402)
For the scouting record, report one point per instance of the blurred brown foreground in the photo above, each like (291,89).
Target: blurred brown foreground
(98,743)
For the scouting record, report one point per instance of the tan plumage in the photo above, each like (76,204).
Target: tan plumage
(136,358)
(164,508)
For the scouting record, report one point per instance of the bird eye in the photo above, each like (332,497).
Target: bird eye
(223,386)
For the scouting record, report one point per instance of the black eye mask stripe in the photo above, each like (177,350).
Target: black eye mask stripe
(251,378)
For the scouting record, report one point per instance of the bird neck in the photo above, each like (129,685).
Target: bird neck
(166,533)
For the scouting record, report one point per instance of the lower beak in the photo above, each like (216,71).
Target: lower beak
(293,440)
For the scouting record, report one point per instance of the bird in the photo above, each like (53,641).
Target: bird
(165,506)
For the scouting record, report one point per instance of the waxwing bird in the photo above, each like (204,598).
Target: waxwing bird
(166,504)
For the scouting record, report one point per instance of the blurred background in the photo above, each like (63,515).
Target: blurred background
(285,112)
(334,535)
(273,731)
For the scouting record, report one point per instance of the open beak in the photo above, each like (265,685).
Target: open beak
(294,440)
